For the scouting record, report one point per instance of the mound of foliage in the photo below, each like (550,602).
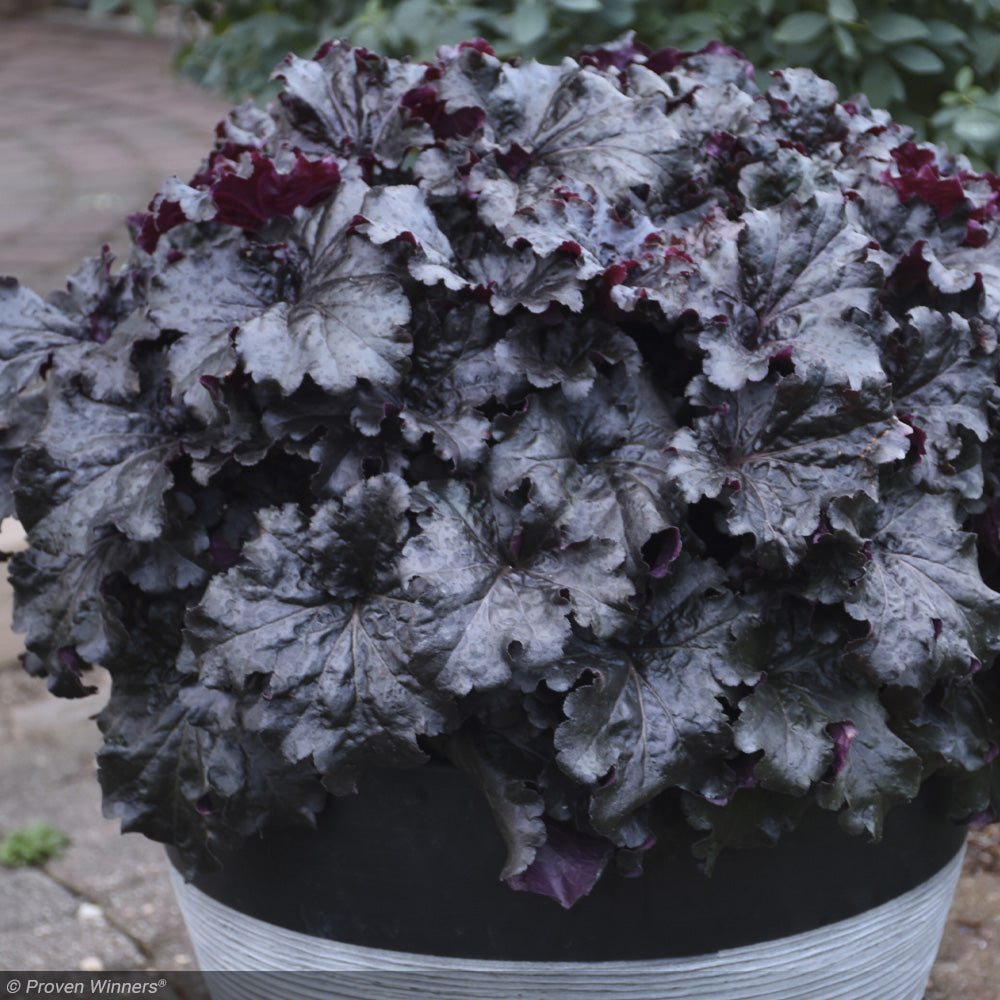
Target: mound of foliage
(616,430)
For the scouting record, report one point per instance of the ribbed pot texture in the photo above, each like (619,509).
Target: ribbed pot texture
(396,895)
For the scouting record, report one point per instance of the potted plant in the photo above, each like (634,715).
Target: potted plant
(616,434)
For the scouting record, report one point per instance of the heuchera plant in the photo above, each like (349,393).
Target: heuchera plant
(616,430)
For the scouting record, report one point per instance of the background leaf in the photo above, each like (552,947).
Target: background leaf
(530,21)
(917,59)
(798,28)
(893,27)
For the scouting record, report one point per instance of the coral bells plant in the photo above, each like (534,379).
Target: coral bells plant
(617,430)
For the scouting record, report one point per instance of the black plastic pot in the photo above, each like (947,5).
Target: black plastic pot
(410,864)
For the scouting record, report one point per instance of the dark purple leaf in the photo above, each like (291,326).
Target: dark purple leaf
(649,714)
(93,466)
(348,321)
(566,867)
(350,103)
(352,700)
(503,605)
(928,611)
(777,453)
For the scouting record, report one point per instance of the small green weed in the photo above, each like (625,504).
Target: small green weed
(34,845)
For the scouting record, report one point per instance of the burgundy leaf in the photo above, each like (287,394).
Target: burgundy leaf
(566,867)
(918,175)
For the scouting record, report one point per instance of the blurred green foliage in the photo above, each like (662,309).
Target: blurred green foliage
(34,845)
(935,66)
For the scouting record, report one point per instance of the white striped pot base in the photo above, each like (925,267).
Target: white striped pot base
(882,954)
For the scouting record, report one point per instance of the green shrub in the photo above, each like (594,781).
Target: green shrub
(934,67)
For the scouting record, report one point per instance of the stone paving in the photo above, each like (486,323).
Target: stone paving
(91,123)
(106,904)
